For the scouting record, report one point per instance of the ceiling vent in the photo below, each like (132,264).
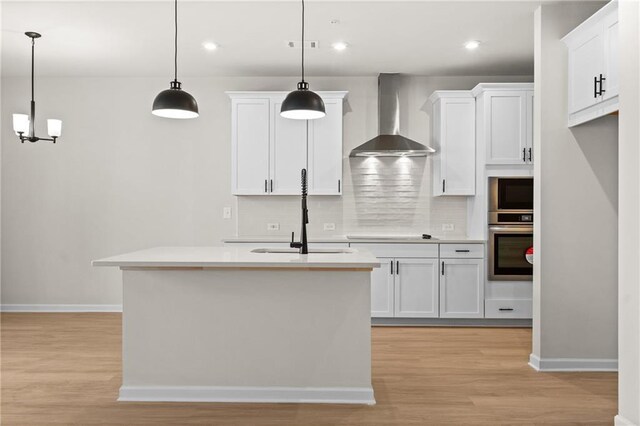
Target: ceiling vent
(313,44)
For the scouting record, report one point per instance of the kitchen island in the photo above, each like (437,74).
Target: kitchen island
(229,324)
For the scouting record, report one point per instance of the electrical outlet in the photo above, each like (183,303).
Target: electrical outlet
(226,213)
(329,227)
(448,227)
(273,226)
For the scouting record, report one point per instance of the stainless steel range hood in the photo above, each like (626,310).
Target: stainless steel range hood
(390,143)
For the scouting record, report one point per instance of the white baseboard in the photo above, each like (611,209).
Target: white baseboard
(60,308)
(247,394)
(621,421)
(572,364)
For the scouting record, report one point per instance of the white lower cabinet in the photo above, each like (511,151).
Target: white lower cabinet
(416,288)
(462,288)
(405,288)
(382,289)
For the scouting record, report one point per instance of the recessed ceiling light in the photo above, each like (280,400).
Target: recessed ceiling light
(209,45)
(340,45)
(472,44)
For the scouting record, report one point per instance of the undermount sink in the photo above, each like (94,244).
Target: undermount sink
(293,250)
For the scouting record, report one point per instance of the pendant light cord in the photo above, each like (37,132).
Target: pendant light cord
(33,44)
(175,44)
(303,41)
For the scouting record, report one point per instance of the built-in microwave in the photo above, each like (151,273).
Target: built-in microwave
(510,194)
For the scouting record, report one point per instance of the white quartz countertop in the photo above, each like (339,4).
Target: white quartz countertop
(356,240)
(237,257)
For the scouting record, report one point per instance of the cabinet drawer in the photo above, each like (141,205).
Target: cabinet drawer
(473,251)
(400,250)
(508,308)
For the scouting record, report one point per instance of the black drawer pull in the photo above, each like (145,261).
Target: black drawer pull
(463,251)
(505,309)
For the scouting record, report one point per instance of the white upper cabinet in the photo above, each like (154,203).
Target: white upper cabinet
(325,151)
(250,149)
(505,122)
(269,151)
(593,66)
(454,139)
(288,152)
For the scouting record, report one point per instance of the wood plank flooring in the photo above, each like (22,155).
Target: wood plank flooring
(65,369)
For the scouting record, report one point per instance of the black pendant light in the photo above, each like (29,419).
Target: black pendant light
(175,102)
(302,104)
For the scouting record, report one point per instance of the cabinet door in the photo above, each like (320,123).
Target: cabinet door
(458,146)
(506,127)
(586,57)
(462,288)
(382,290)
(325,151)
(530,127)
(610,28)
(416,288)
(250,146)
(288,152)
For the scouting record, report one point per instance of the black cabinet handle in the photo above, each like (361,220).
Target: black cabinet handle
(601,89)
(338,185)
(265,186)
(524,155)
(530,155)
(271,185)
(392,267)
(505,309)
(462,251)
(443,185)
(397,267)
(442,269)
(595,87)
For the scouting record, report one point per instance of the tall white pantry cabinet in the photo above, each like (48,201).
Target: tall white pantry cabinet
(269,151)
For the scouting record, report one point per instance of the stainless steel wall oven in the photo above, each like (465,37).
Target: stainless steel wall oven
(510,228)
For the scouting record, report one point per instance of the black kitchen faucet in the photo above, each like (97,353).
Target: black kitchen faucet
(302,245)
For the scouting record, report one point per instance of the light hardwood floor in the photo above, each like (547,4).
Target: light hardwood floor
(65,369)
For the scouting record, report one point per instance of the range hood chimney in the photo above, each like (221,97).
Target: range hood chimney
(389,142)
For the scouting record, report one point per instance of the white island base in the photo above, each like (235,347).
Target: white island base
(229,326)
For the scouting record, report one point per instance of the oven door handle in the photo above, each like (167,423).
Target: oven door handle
(513,228)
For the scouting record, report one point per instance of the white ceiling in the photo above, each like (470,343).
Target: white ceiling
(135,38)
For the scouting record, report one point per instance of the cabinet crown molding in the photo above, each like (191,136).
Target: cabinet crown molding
(484,87)
(592,20)
(439,94)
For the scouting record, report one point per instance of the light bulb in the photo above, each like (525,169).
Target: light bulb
(54,128)
(20,123)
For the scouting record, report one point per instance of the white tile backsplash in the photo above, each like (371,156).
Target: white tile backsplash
(383,195)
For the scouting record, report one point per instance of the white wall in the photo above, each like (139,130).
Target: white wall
(576,204)
(629,244)
(121,179)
